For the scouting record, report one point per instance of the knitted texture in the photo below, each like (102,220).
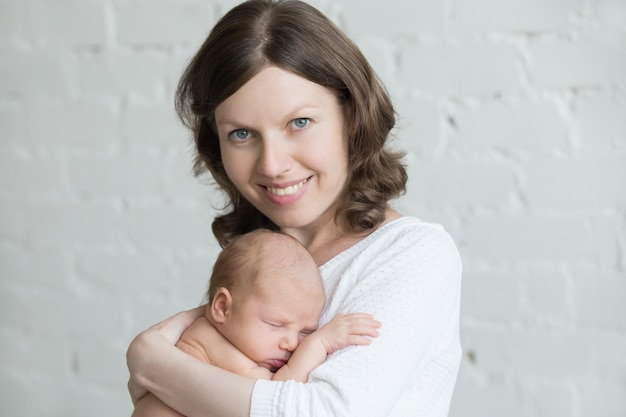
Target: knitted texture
(408,274)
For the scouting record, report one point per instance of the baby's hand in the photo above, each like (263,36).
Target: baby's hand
(345,330)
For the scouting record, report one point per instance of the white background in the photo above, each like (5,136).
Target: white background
(513,113)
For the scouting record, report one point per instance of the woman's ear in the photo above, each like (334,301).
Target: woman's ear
(221,305)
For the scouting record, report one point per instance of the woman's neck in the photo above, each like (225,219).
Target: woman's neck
(328,240)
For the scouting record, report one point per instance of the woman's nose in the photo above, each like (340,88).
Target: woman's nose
(275,157)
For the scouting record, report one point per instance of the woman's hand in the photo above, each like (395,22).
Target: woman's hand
(149,346)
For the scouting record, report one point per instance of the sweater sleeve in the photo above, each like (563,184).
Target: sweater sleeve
(410,281)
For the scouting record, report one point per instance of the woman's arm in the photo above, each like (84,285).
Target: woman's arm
(150,406)
(191,387)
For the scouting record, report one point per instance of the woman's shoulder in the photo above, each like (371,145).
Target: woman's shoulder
(404,239)
(412,230)
(409,242)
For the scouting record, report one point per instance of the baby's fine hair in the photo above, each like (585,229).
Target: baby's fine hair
(296,37)
(238,264)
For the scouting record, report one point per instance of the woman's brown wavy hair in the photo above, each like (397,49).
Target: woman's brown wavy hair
(296,37)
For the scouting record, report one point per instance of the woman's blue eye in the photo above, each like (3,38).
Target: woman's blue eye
(300,123)
(240,134)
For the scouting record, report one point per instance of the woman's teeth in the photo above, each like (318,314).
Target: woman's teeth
(292,189)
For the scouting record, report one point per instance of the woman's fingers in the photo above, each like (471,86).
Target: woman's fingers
(172,328)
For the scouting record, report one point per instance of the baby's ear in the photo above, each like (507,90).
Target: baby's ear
(221,305)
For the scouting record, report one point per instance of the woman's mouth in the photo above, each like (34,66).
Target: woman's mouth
(290,190)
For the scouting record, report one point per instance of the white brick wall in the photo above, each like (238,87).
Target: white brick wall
(514,116)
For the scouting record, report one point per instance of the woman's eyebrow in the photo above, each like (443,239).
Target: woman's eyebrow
(288,115)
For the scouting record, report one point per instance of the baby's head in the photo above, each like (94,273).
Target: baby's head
(265,259)
(265,296)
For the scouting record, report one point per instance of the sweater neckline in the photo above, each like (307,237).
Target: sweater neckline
(365,241)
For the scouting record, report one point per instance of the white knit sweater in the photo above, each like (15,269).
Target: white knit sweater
(408,274)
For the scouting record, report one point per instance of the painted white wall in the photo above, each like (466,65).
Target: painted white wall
(513,114)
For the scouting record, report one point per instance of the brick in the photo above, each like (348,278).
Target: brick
(502,289)
(576,65)
(381,56)
(601,399)
(530,126)
(69,223)
(546,295)
(23,347)
(602,121)
(21,176)
(81,124)
(34,266)
(104,309)
(58,396)
(11,126)
(550,397)
(118,73)
(143,312)
(152,123)
(528,16)
(417,127)
(515,295)
(194,269)
(598,298)
(34,72)
(178,227)
(422,18)
(115,270)
(589,182)
(542,238)
(477,398)
(535,352)
(608,355)
(467,69)
(101,363)
(462,183)
(116,175)
(180,184)
(11,20)
(144,23)
(73,22)
(78,397)
(12,220)
(611,14)
(16,395)
(172,68)
(18,311)
(93,315)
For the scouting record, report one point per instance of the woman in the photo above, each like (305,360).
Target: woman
(291,121)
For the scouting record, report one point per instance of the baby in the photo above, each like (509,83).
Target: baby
(265,299)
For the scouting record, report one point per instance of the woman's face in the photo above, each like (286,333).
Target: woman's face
(284,146)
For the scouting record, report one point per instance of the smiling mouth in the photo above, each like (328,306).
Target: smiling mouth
(292,189)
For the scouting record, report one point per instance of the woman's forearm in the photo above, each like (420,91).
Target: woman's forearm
(187,385)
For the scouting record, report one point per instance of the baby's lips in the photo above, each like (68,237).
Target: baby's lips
(277,363)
